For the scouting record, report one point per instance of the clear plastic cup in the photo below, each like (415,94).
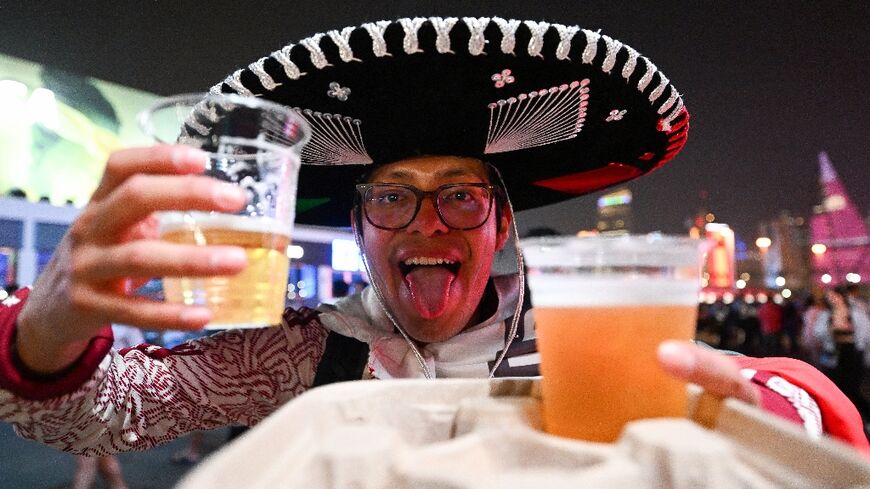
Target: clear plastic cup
(254,144)
(602,306)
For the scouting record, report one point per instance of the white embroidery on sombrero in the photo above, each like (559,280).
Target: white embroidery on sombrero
(335,140)
(235,82)
(666,122)
(342,40)
(318,59)
(477,41)
(442,32)
(615,115)
(411,43)
(537,118)
(566,34)
(613,47)
(337,91)
(536,43)
(660,89)
(647,76)
(376,31)
(630,63)
(669,102)
(196,126)
(591,46)
(257,67)
(508,33)
(290,69)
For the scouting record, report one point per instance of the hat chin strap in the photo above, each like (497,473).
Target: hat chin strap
(512,333)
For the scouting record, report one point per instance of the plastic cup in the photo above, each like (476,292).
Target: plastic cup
(602,306)
(254,144)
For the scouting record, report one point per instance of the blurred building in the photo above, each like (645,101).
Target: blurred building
(614,212)
(840,243)
(786,261)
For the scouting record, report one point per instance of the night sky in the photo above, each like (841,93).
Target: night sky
(768,84)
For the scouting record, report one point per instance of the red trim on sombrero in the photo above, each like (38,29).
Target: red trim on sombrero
(677,137)
(589,181)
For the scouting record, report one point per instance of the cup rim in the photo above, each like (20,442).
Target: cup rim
(600,250)
(144,117)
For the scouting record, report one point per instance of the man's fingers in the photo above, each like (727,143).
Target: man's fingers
(154,258)
(714,372)
(158,159)
(144,313)
(142,195)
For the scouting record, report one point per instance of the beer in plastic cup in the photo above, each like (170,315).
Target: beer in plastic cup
(602,305)
(254,144)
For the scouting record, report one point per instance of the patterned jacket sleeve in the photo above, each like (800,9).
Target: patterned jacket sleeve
(146,395)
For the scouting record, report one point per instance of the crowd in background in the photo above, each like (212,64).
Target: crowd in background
(828,329)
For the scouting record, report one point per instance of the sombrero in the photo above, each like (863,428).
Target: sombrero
(560,111)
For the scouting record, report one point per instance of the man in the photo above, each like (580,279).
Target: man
(435,120)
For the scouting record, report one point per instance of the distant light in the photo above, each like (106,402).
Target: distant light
(710,217)
(749,299)
(43,106)
(295,252)
(780,281)
(12,89)
(826,279)
(705,282)
(745,276)
(799,221)
(853,278)
(763,243)
(727,297)
(346,256)
(818,249)
(762,298)
(710,298)
(620,197)
(740,284)
(786,293)
(777,299)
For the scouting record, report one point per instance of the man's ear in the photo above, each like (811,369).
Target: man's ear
(504,228)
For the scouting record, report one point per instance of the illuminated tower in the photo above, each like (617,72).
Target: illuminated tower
(841,247)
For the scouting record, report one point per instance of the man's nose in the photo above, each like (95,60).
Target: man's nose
(427,220)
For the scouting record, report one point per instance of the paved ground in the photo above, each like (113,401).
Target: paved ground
(28,465)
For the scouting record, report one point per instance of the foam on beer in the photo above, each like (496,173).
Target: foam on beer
(612,271)
(173,221)
(573,290)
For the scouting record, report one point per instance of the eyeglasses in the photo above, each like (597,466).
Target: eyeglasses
(461,206)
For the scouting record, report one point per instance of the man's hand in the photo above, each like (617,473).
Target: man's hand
(114,244)
(712,371)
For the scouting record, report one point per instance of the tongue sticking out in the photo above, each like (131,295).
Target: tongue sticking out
(430,289)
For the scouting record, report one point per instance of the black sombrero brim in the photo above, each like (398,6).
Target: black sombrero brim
(559,110)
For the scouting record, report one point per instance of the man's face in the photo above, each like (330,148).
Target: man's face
(433,277)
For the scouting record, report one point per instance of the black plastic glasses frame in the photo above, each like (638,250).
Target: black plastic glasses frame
(363,188)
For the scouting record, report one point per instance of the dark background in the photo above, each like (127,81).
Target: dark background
(768,84)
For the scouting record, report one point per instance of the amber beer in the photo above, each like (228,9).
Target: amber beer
(253,298)
(601,309)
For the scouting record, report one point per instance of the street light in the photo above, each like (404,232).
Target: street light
(818,249)
(763,243)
